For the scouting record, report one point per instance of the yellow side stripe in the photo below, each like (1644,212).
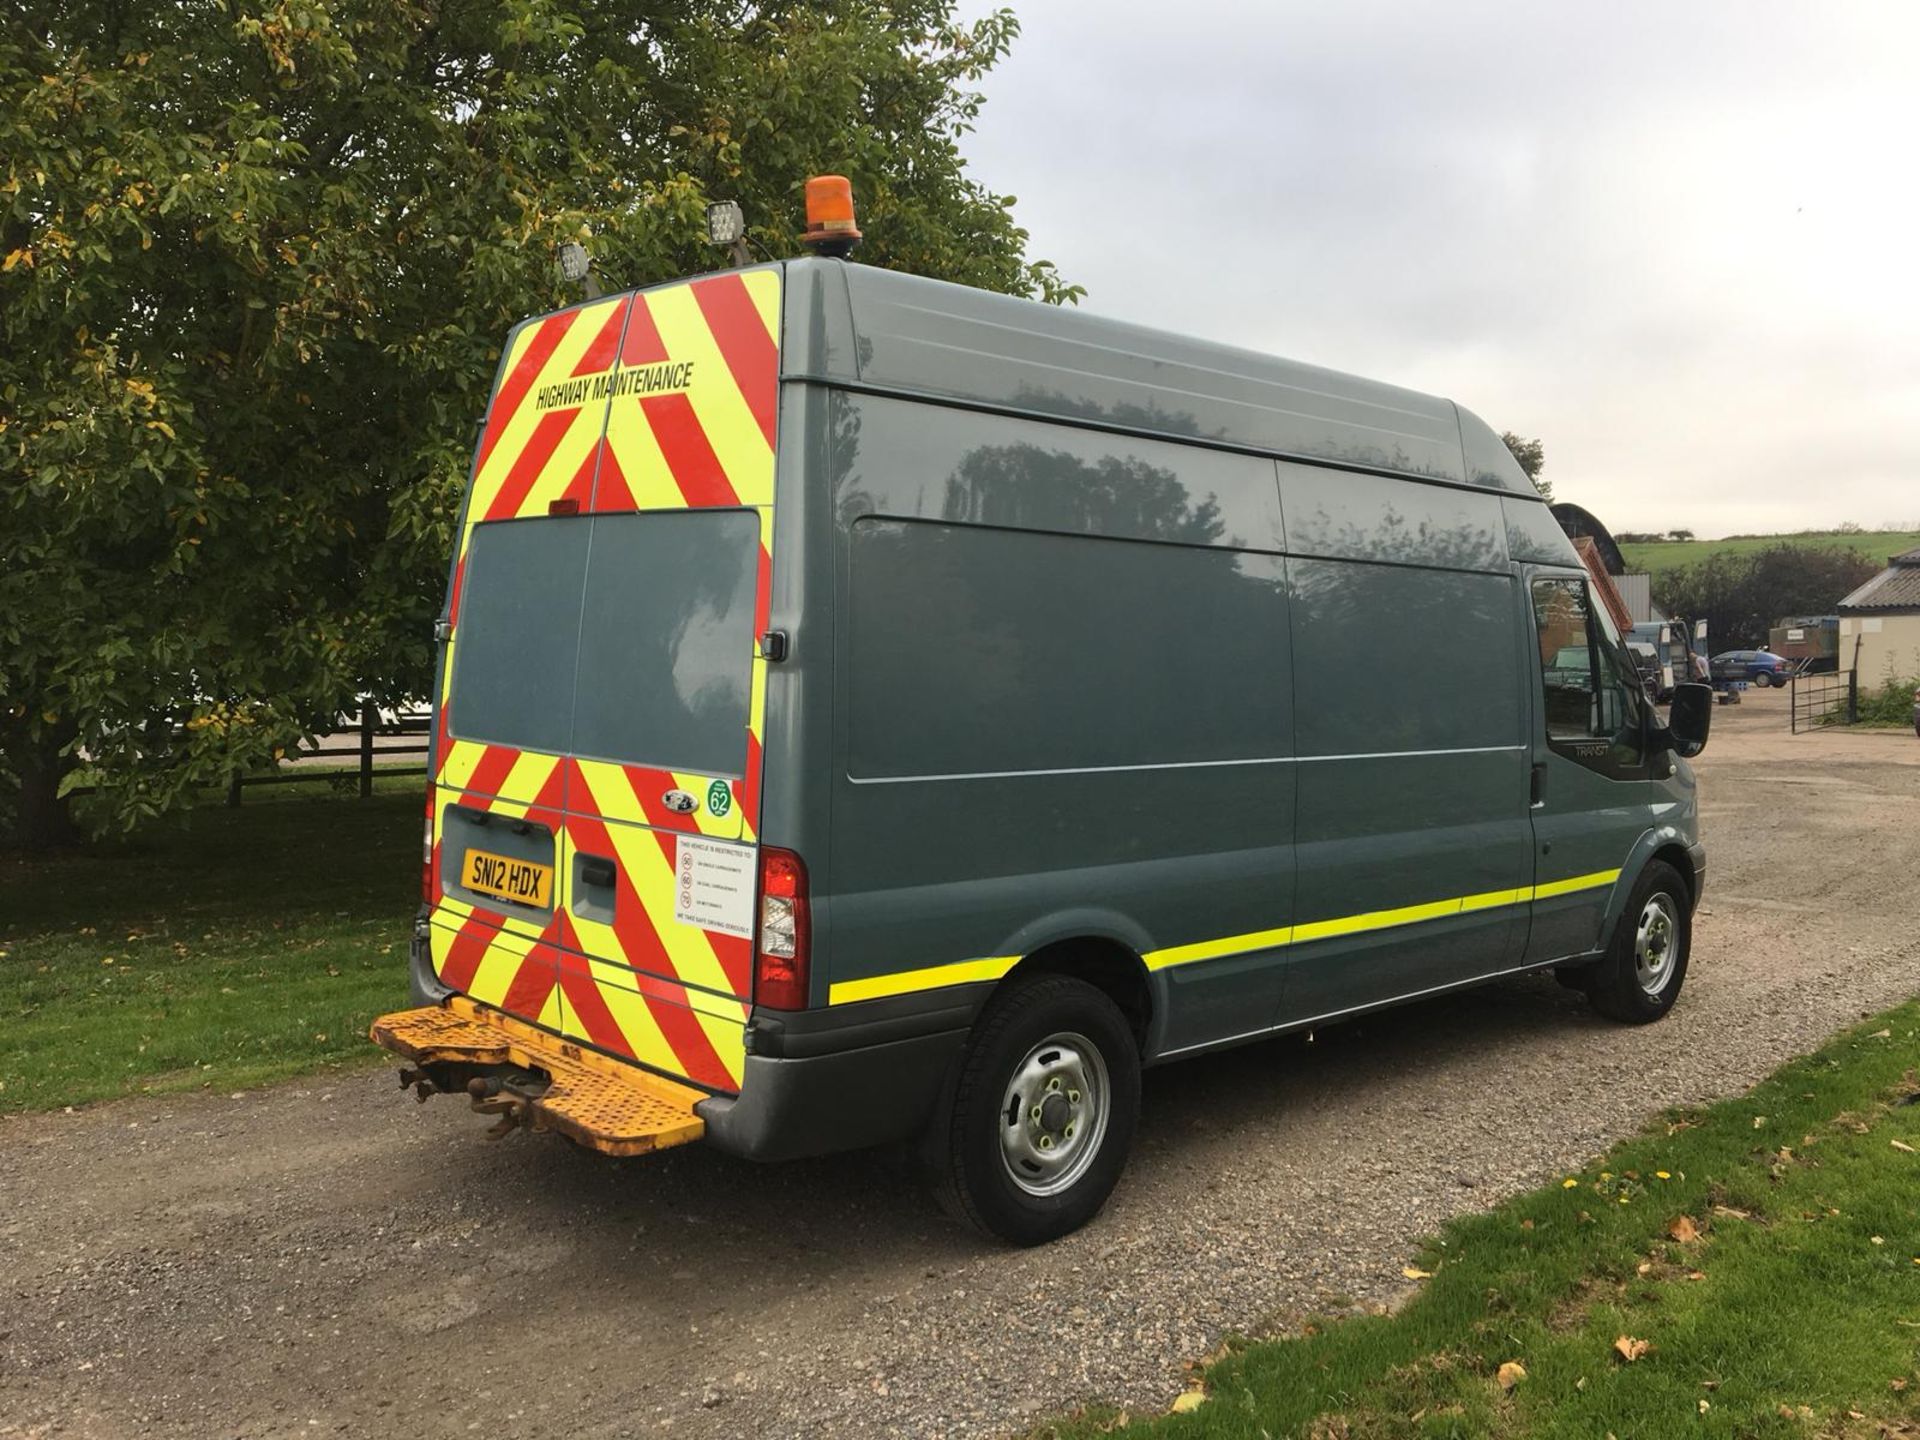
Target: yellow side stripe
(964,972)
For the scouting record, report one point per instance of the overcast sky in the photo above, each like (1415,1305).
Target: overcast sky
(1680,243)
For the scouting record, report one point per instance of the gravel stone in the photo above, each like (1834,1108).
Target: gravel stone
(324,1259)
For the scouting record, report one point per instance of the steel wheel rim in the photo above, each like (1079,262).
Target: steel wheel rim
(1053,1114)
(1656,944)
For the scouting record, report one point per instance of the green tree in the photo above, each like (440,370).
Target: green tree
(1740,596)
(259,256)
(1532,457)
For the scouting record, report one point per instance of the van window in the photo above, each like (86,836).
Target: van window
(618,637)
(519,627)
(666,640)
(1589,688)
(977,651)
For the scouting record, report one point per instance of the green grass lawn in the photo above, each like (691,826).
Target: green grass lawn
(1758,1260)
(1667,555)
(237,947)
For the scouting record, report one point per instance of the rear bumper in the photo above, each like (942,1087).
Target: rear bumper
(788,1108)
(816,1081)
(843,1077)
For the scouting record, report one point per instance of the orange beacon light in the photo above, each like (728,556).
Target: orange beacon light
(830,228)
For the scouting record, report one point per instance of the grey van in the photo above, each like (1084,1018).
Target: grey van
(873,709)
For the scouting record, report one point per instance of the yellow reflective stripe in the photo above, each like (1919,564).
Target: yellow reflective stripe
(1574,883)
(1215,949)
(963,971)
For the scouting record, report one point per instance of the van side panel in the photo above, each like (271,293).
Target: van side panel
(1413,844)
(1062,707)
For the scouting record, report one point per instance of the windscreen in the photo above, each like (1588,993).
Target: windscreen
(622,637)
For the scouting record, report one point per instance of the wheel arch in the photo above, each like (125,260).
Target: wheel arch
(1110,965)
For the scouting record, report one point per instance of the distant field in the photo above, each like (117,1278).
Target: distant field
(1667,555)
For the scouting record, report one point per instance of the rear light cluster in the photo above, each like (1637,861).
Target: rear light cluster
(429,886)
(786,932)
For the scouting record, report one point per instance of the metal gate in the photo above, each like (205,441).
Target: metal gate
(1822,700)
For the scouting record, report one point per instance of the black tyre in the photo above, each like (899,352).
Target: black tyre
(1764,679)
(1640,976)
(1043,1112)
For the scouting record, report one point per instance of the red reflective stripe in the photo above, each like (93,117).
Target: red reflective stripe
(642,344)
(514,388)
(527,466)
(696,469)
(581,486)
(742,336)
(496,763)
(599,355)
(532,983)
(610,488)
(468,948)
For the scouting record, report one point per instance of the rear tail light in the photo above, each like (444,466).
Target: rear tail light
(786,932)
(429,886)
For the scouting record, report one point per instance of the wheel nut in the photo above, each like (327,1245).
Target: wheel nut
(1046,1142)
(1073,1097)
(1054,1083)
(1069,1130)
(1034,1114)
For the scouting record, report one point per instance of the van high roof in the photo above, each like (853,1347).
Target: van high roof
(858,325)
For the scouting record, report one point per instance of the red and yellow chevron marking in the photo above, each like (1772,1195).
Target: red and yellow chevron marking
(662,400)
(709,443)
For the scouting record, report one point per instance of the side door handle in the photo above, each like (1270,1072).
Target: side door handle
(1537,790)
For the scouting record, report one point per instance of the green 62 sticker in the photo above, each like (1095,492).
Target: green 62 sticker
(719,797)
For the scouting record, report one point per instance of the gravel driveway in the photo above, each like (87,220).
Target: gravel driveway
(330,1258)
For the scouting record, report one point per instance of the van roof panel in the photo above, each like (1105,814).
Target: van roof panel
(952,342)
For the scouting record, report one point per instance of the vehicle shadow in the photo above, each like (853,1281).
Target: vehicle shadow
(699,1222)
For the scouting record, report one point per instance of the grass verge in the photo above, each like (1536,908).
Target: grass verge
(1751,1269)
(240,946)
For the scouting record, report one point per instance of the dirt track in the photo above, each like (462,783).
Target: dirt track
(333,1259)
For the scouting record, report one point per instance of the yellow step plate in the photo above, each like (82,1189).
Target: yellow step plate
(599,1102)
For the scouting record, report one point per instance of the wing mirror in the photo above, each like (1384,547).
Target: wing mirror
(1690,719)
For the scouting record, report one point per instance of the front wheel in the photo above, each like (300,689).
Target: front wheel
(1043,1112)
(1640,976)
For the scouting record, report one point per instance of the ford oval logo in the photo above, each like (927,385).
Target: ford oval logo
(679,801)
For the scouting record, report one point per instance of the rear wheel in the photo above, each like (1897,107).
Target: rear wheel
(1640,976)
(1043,1112)
(1763,678)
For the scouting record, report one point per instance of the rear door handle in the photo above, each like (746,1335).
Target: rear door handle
(1537,792)
(596,870)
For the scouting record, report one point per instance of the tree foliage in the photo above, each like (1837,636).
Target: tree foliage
(1740,596)
(259,256)
(1532,458)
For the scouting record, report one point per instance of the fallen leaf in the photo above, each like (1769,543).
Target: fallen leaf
(1758,1121)
(1581,1383)
(1704,1406)
(1881,1035)
(1902,1145)
(1696,1275)
(1413,1272)
(1568,1183)
(1510,1374)
(1630,1349)
(1645,1267)
(1731,1213)
(1684,1230)
(1187,1401)
(1663,1174)
(1898,1383)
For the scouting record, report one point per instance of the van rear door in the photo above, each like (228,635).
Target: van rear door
(500,786)
(660,865)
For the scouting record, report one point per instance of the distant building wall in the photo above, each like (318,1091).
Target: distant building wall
(1880,647)
(1637,591)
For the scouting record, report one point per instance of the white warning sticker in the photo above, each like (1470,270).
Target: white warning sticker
(713,886)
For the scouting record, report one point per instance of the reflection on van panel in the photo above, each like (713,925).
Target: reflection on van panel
(934,708)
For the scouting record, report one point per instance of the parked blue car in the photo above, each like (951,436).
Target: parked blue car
(1762,667)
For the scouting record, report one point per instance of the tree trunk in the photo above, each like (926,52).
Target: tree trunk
(45,821)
